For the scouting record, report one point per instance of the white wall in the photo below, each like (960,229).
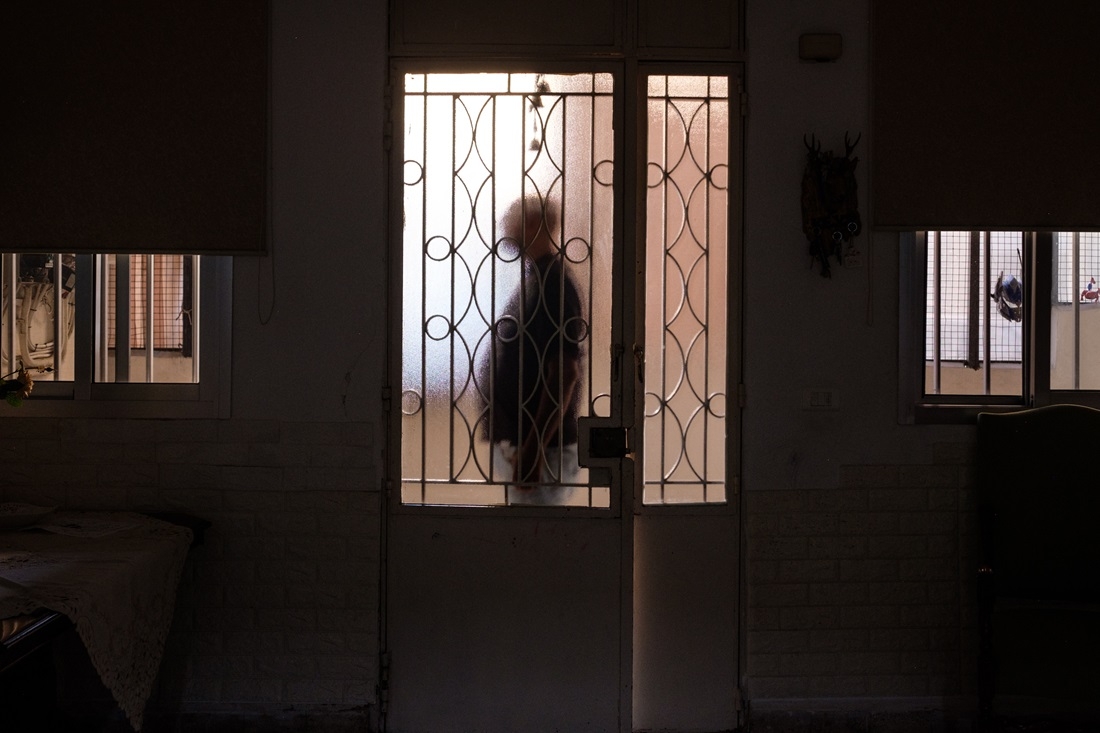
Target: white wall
(322,289)
(802,330)
(859,529)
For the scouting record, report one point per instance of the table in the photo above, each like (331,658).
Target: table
(114,575)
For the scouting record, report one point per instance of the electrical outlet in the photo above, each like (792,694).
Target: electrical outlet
(820,399)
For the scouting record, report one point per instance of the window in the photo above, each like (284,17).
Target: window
(113,334)
(998,319)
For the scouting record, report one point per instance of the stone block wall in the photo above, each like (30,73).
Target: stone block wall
(278,608)
(866,589)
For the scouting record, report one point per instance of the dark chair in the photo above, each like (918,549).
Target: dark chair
(1039,562)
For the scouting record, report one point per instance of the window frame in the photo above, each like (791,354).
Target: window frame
(85,397)
(634,157)
(916,407)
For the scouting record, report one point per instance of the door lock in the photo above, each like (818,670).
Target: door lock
(605,442)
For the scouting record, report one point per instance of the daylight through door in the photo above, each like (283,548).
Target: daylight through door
(508,212)
(565,367)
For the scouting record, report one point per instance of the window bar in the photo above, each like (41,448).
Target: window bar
(191,315)
(59,331)
(150,321)
(987,375)
(102,338)
(451,317)
(11,284)
(523,314)
(196,305)
(493,264)
(424,299)
(122,318)
(975,309)
(937,305)
(663,395)
(1075,296)
(591,236)
(565,192)
(706,299)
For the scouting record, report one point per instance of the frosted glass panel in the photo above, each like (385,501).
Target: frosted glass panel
(686,290)
(508,216)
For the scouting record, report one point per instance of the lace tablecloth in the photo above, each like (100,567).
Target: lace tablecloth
(115,576)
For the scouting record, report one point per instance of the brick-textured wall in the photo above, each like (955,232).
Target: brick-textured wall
(865,589)
(860,590)
(278,609)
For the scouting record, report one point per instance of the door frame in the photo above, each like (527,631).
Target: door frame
(628,323)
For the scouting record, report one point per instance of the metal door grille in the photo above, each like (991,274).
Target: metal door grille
(474,144)
(686,289)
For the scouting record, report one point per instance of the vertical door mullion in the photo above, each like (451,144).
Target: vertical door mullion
(630,149)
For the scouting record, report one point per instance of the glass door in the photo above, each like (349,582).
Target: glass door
(565,464)
(508,551)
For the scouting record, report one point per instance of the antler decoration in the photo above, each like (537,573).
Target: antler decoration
(830,208)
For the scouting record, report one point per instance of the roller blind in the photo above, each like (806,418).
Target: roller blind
(985,114)
(134,126)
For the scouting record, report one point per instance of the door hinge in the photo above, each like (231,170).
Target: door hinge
(741,395)
(744,100)
(384,682)
(616,361)
(736,487)
(387,127)
(387,398)
(738,700)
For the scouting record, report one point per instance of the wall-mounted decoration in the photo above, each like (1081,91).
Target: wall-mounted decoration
(830,208)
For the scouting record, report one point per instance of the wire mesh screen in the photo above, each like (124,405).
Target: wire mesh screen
(508,211)
(686,247)
(1087,272)
(966,296)
(1075,312)
(168,301)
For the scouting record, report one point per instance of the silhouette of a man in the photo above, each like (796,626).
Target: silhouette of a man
(531,377)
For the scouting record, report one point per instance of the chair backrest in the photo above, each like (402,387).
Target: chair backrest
(1039,502)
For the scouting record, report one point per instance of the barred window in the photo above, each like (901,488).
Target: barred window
(1009,318)
(62,314)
